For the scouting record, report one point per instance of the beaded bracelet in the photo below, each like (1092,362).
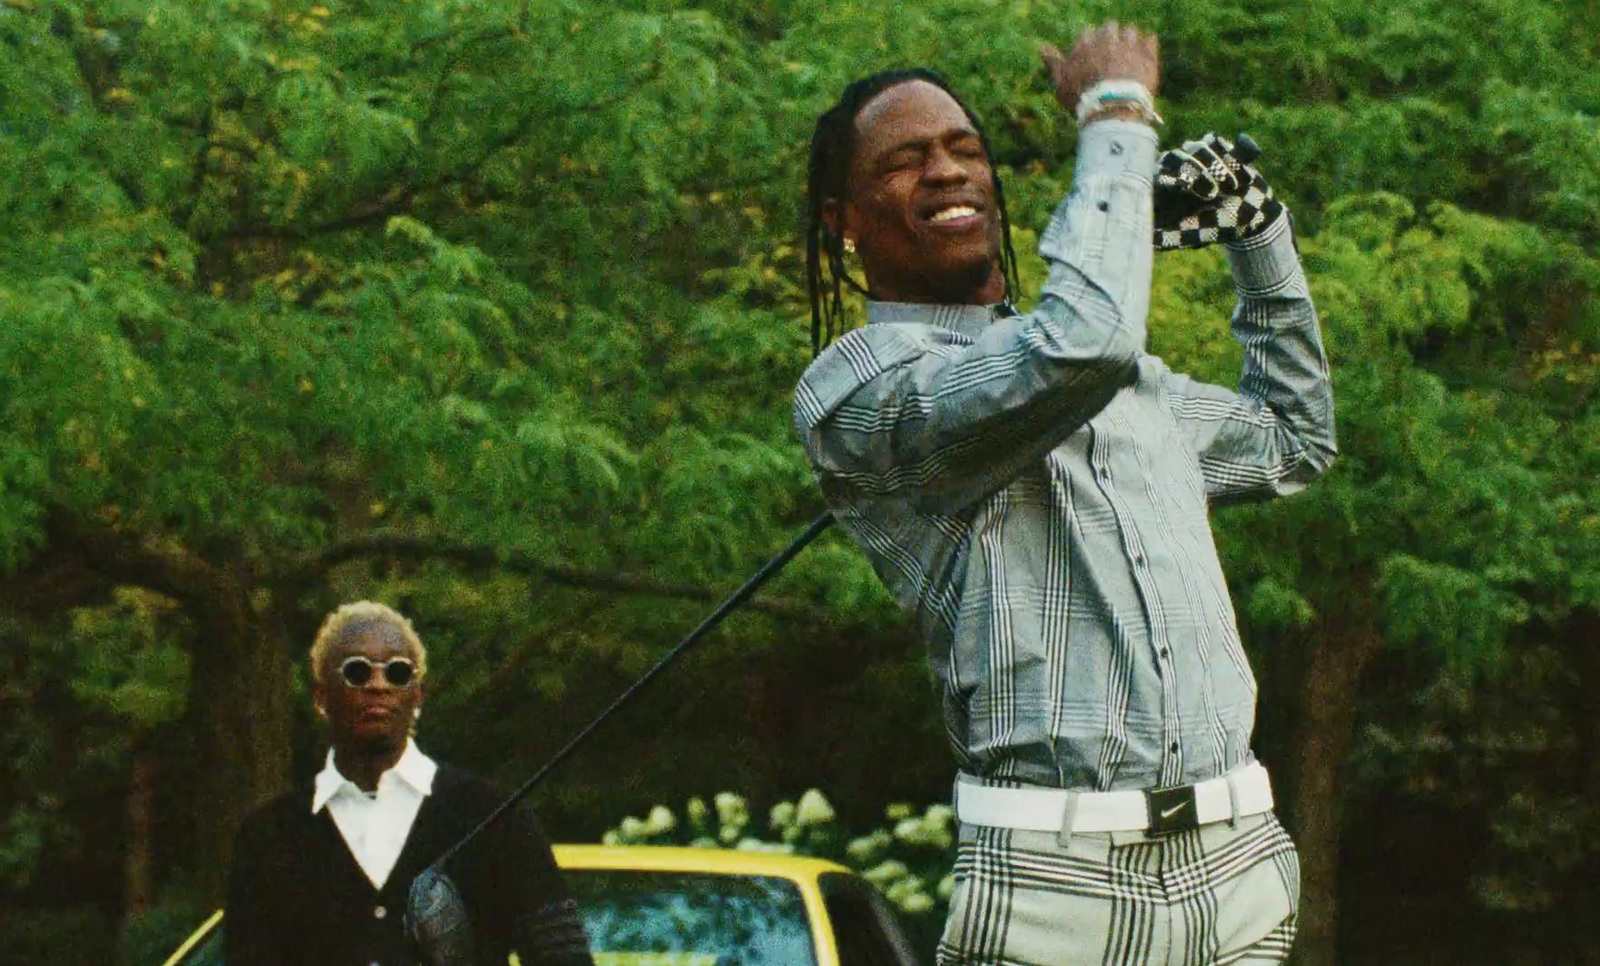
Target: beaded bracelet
(1118,93)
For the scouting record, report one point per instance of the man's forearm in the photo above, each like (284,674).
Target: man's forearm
(1285,365)
(1100,234)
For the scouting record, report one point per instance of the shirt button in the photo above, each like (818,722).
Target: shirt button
(1164,653)
(1173,747)
(1138,560)
(1116,147)
(1103,205)
(379,912)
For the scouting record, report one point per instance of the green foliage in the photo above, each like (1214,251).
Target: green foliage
(60,935)
(1451,512)
(80,701)
(131,670)
(151,936)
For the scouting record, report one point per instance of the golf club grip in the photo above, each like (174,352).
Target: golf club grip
(727,607)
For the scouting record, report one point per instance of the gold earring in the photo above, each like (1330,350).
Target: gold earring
(849,245)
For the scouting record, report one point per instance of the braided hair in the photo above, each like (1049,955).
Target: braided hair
(832,149)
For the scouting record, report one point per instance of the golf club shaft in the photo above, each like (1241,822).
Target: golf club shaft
(727,607)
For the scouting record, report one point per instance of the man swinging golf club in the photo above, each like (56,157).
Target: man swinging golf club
(1033,489)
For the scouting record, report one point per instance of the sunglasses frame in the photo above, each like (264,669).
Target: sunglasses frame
(372,666)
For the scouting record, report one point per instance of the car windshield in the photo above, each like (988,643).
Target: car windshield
(637,918)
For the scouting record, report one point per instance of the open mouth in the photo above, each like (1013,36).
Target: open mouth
(954,216)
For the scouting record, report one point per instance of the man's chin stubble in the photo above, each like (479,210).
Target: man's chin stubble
(958,285)
(376,745)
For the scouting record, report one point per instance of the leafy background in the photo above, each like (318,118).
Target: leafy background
(492,310)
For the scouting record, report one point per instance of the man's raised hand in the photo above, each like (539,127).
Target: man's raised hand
(1208,191)
(1109,52)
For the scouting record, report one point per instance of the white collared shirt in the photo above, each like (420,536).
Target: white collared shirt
(375,826)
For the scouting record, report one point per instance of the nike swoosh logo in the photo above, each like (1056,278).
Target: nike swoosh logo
(1169,812)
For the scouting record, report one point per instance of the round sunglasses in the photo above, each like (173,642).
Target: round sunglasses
(398,672)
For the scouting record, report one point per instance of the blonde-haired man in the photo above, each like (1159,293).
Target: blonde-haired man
(321,875)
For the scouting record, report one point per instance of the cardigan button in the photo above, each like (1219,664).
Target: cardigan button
(379,912)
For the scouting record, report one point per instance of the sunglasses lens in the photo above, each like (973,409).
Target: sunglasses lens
(398,672)
(357,672)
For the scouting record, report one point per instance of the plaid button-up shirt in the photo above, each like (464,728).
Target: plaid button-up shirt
(1034,490)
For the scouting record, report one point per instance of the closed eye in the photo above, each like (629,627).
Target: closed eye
(902,159)
(967,147)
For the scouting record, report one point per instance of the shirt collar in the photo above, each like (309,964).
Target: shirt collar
(969,320)
(414,768)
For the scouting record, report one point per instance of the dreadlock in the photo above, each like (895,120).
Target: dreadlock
(833,146)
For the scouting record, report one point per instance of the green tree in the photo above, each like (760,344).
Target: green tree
(239,355)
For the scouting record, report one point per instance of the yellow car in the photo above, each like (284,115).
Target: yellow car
(656,906)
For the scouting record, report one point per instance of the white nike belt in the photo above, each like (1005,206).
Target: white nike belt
(1243,791)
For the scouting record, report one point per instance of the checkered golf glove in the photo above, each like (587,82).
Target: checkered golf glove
(1207,192)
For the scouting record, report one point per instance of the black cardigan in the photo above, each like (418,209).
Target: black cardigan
(296,894)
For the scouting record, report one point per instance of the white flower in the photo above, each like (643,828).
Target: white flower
(660,821)
(939,816)
(898,811)
(814,809)
(909,885)
(782,815)
(928,830)
(867,847)
(696,811)
(911,831)
(916,904)
(946,887)
(886,872)
(632,829)
(732,810)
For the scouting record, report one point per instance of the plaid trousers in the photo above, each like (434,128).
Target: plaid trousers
(1218,894)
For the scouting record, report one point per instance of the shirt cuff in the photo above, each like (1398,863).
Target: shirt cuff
(1114,147)
(1111,189)
(1266,263)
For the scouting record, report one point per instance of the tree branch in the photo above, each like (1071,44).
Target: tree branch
(184,211)
(410,547)
(375,211)
(52,581)
(172,571)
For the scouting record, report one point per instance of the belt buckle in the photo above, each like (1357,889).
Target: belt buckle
(1171,810)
